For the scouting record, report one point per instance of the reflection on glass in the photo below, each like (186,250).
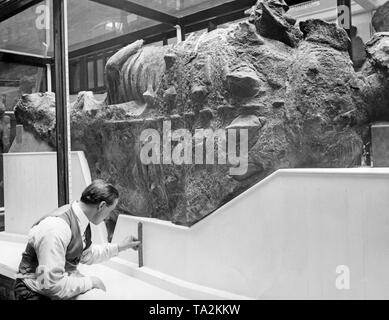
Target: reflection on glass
(91,75)
(90,23)
(75,81)
(17,79)
(100,72)
(29,31)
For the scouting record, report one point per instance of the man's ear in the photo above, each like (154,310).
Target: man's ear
(102,205)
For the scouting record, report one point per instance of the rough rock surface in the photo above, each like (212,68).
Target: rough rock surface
(37,113)
(271,21)
(376,77)
(381,18)
(295,92)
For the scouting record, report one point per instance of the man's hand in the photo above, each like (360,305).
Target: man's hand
(129,242)
(98,284)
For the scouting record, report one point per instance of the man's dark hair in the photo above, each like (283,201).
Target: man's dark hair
(98,191)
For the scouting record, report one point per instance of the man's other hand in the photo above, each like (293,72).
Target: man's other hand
(98,284)
(129,242)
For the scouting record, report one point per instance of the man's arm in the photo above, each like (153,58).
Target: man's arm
(100,253)
(50,243)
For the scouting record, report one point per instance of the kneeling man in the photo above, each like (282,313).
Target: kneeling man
(61,240)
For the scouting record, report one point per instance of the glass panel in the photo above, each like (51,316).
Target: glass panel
(180,8)
(75,83)
(111,151)
(100,72)
(90,23)
(29,31)
(15,80)
(91,75)
(18,79)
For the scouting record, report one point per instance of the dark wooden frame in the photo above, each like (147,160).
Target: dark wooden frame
(61,101)
(140,10)
(24,58)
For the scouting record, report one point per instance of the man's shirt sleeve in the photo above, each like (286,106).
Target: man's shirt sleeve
(99,253)
(50,242)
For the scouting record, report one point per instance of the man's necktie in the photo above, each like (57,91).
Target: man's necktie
(87,237)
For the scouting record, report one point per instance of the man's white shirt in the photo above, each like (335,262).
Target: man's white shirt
(50,239)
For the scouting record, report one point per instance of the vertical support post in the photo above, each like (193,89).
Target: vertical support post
(140,250)
(48,78)
(183,33)
(179,33)
(345,19)
(178,5)
(211,26)
(123,21)
(59,25)
(47,42)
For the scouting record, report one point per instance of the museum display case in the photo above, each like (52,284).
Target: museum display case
(243,74)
